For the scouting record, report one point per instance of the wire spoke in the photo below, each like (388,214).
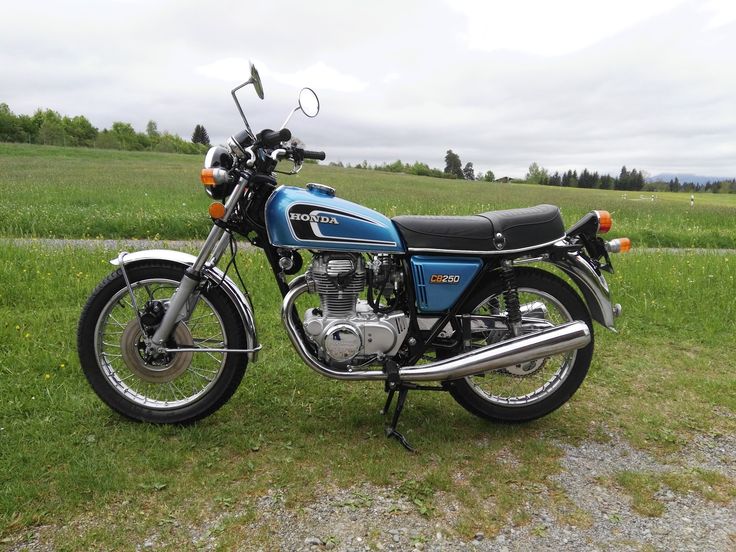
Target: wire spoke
(130,381)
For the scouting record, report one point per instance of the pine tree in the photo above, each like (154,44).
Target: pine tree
(623,179)
(200,136)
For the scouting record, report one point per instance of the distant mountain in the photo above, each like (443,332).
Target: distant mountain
(684,177)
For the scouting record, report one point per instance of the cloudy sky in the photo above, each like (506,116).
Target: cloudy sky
(569,84)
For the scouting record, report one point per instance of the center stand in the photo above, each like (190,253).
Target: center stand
(393,384)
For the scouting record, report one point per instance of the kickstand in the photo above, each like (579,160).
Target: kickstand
(389,398)
(391,430)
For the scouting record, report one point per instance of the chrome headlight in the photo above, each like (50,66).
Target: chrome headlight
(218,156)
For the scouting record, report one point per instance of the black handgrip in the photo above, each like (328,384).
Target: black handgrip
(318,155)
(270,138)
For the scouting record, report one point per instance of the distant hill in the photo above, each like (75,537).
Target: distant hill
(684,177)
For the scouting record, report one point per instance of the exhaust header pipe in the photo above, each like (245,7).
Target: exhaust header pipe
(525,348)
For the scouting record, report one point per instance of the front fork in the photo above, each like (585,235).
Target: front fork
(180,305)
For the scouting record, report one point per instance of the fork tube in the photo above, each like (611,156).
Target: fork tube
(219,249)
(191,277)
(216,234)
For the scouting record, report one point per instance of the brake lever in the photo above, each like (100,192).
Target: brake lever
(277,153)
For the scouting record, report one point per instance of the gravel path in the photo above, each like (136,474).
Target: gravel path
(135,245)
(370,518)
(114,245)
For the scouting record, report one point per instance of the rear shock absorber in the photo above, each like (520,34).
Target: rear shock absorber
(511,298)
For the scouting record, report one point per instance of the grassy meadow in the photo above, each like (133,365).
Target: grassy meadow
(663,383)
(74,192)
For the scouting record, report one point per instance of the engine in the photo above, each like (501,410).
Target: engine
(346,329)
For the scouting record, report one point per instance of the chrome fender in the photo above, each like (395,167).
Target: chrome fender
(592,285)
(239,299)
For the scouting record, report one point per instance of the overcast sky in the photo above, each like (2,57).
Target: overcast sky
(568,84)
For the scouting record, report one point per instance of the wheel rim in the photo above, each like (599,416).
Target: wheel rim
(529,383)
(177,381)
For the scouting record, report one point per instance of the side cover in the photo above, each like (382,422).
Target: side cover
(316,219)
(440,281)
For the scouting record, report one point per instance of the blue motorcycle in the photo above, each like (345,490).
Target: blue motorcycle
(458,304)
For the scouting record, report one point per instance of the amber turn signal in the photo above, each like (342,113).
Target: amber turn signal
(604,221)
(217,210)
(207,176)
(619,245)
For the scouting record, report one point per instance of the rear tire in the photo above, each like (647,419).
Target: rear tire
(179,388)
(526,392)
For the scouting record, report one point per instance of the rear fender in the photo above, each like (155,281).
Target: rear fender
(212,273)
(592,285)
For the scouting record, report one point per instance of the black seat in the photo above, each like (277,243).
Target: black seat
(491,232)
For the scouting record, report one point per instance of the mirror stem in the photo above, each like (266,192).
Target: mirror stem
(297,108)
(240,109)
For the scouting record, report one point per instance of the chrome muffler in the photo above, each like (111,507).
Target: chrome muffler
(519,350)
(560,339)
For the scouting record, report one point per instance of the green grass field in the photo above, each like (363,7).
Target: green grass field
(666,379)
(74,192)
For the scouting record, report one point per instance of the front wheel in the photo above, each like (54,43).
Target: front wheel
(168,388)
(526,391)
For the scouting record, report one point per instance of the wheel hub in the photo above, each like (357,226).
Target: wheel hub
(527,368)
(161,368)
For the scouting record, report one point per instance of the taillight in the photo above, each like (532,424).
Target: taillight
(604,221)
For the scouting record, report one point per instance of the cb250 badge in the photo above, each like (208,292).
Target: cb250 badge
(444,279)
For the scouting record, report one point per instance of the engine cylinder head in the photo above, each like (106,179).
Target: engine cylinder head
(338,278)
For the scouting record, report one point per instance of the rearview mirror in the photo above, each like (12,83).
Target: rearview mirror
(308,102)
(255,78)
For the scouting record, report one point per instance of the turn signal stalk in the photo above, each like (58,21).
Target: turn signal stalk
(619,245)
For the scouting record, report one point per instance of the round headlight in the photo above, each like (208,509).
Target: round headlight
(218,182)
(218,157)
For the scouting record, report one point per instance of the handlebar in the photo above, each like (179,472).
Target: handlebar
(318,155)
(270,138)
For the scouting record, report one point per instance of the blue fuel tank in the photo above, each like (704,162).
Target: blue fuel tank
(314,218)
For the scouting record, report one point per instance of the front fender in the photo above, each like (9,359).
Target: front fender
(592,285)
(214,274)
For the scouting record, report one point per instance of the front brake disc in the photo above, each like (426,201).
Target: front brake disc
(164,368)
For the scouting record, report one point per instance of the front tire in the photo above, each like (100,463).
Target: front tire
(176,388)
(525,392)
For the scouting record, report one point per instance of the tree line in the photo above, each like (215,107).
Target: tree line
(453,168)
(674,185)
(627,180)
(48,127)
(417,168)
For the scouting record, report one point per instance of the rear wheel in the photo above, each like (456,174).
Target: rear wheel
(165,388)
(525,391)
